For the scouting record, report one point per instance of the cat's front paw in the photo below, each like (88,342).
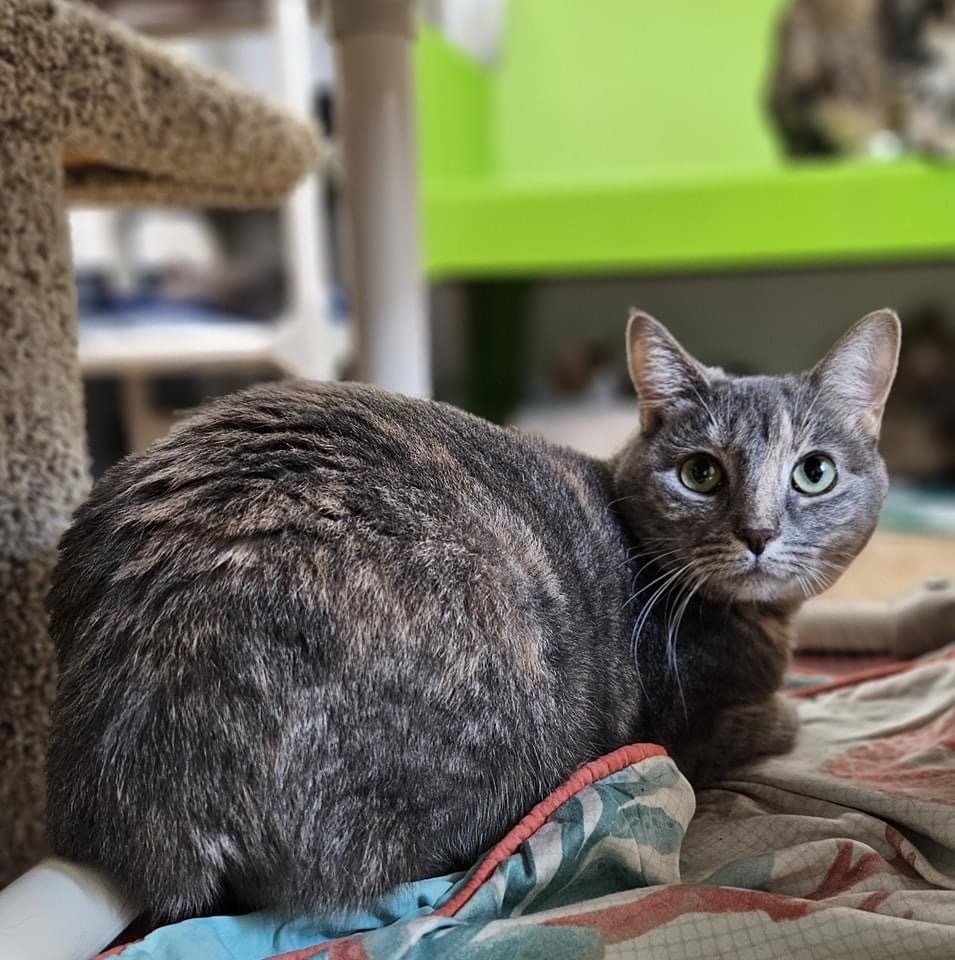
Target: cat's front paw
(738,736)
(925,618)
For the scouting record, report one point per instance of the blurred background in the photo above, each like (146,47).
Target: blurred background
(756,173)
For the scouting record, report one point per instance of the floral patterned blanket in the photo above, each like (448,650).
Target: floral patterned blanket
(845,848)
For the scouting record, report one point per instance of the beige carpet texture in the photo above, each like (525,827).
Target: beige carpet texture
(89,112)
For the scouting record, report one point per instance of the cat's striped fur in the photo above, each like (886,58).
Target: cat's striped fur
(322,639)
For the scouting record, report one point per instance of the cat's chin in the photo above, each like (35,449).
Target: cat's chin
(760,587)
(766,592)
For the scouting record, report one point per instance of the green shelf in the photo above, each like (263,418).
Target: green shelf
(624,136)
(785,217)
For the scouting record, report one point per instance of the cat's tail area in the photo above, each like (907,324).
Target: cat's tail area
(175,867)
(167,870)
(190,809)
(107,808)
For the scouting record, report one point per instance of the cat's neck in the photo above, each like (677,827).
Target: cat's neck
(714,648)
(775,620)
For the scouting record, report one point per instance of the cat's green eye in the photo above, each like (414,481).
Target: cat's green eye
(814,475)
(701,473)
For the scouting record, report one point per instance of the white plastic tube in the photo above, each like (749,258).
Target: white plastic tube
(61,911)
(309,345)
(373,40)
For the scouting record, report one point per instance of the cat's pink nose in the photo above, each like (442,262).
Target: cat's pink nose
(756,538)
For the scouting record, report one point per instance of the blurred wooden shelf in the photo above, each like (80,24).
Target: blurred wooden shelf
(307,340)
(161,347)
(299,345)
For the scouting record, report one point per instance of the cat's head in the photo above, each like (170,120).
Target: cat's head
(756,488)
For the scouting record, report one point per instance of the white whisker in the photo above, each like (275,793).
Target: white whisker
(673,633)
(644,615)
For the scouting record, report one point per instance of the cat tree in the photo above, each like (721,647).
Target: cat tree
(90,113)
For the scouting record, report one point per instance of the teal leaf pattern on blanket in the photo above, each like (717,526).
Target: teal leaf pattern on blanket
(620,833)
(590,858)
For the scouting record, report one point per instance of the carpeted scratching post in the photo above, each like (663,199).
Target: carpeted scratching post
(90,112)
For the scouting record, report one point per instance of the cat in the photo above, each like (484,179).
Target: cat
(322,640)
(865,76)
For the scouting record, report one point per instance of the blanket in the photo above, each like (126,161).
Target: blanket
(844,848)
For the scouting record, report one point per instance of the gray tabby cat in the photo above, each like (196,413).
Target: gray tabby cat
(322,640)
(856,76)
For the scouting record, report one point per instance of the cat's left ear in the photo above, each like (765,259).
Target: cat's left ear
(858,371)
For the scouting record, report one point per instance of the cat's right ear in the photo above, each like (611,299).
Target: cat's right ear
(857,373)
(662,372)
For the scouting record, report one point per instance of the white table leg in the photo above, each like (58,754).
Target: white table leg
(373,41)
(309,342)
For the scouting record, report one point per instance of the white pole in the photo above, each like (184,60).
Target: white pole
(373,41)
(311,344)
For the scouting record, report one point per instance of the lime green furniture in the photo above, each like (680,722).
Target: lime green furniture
(627,135)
